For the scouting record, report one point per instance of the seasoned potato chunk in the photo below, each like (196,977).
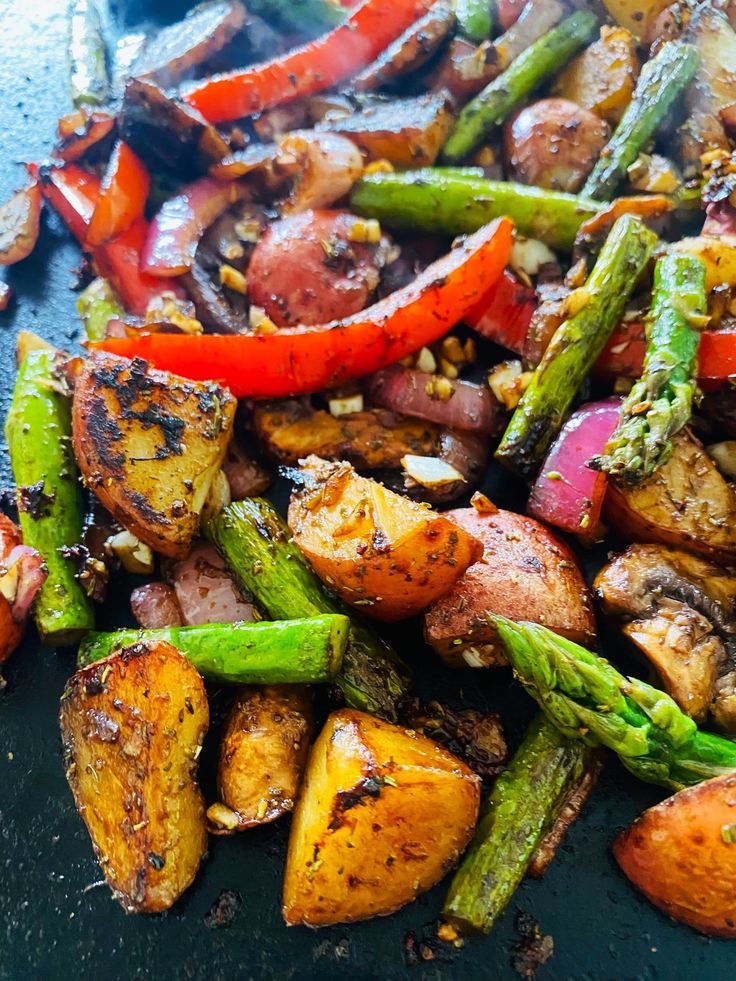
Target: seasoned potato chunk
(603,77)
(384,813)
(525,574)
(149,445)
(132,727)
(636,16)
(379,551)
(682,855)
(264,747)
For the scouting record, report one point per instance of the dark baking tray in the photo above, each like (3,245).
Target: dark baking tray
(58,923)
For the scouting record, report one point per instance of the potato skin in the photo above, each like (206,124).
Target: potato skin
(525,574)
(132,727)
(686,503)
(384,813)
(378,550)
(149,444)
(263,752)
(676,853)
(603,77)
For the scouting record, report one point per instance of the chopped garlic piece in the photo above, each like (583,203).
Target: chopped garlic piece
(430,471)
(346,405)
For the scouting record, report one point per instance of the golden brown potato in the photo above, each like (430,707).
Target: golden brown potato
(265,742)
(636,16)
(603,77)
(132,727)
(682,855)
(149,445)
(686,503)
(378,550)
(407,132)
(525,574)
(718,252)
(384,813)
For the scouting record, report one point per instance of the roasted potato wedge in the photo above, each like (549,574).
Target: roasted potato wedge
(265,743)
(718,252)
(383,814)
(525,574)
(132,727)
(686,503)
(149,444)
(603,77)
(637,16)
(682,855)
(379,551)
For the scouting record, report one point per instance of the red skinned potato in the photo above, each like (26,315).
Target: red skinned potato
(383,814)
(379,551)
(525,574)
(682,855)
(554,143)
(306,270)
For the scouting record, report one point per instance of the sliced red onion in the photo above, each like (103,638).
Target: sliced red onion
(206,591)
(174,233)
(720,219)
(155,605)
(567,493)
(330,165)
(470,407)
(25,574)
(19,223)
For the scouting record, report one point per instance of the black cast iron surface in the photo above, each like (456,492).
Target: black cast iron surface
(58,922)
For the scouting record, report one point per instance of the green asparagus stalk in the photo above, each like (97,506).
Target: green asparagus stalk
(97,306)
(534,66)
(524,804)
(575,346)
(88,79)
(255,542)
(455,201)
(474,19)
(588,699)
(662,79)
(660,403)
(308,651)
(38,431)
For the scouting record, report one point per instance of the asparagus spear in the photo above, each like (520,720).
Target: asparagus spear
(88,78)
(533,67)
(660,403)
(255,542)
(524,803)
(575,346)
(588,699)
(455,201)
(474,19)
(662,79)
(308,651)
(38,431)
(96,306)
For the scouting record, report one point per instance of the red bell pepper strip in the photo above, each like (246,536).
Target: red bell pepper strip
(122,196)
(73,193)
(505,313)
(296,360)
(316,66)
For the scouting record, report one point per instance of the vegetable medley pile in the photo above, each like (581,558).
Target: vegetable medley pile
(371,245)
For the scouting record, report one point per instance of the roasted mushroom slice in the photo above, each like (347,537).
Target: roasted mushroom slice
(679,611)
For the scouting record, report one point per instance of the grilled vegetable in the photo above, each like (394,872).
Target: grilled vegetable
(328,165)
(454,202)
(257,546)
(307,651)
(264,748)
(380,552)
(245,475)
(132,728)
(525,802)
(524,572)
(474,19)
(38,431)
(122,197)
(575,346)
(678,610)
(686,503)
(205,589)
(541,60)
(662,79)
(19,223)
(299,16)
(680,854)
(636,16)
(154,605)
(149,445)
(603,77)
(22,573)
(97,306)
(88,78)
(660,403)
(718,252)
(383,814)
(588,699)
